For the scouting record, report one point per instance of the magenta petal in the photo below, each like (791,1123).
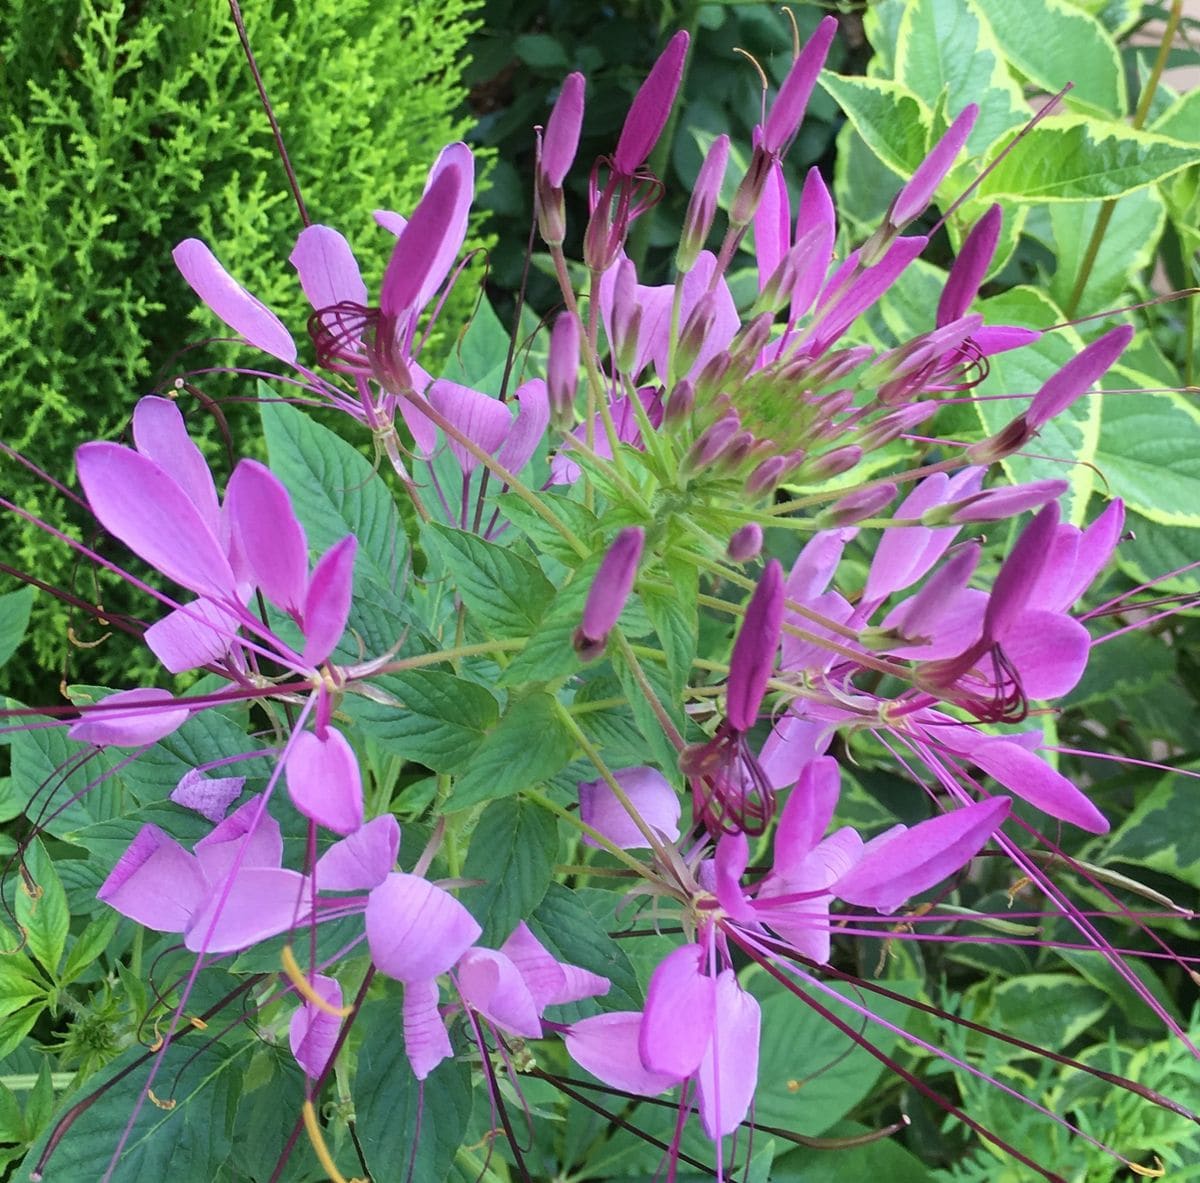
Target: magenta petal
(417,257)
(848,304)
(1077,376)
(1020,572)
(816,221)
(651,795)
(459,159)
(324,781)
(755,649)
(529,428)
(921,857)
(549,981)
(970,267)
(729,864)
(807,813)
(728,1073)
(247,316)
(138,502)
(650,107)
(610,589)
(361,860)
(562,130)
(607,1047)
(772,224)
(1029,777)
(249,829)
(677,1024)
(129,719)
(193,635)
(490,984)
(484,420)
(160,435)
(313,1032)
(919,190)
(209,796)
(327,268)
(794,741)
(1050,652)
(426,1043)
(788,108)
(268,534)
(155,882)
(261,902)
(416,930)
(1096,546)
(327,600)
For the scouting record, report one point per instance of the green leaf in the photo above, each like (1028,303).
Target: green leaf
(573,514)
(44,916)
(891,120)
(1155,550)
(437,720)
(879,1158)
(1062,45)
(12,1123)
(660,749)
(513,850)
(478,358)
(1181,120)
(505,595)
(19,983)
(674,616)
(87,947)
(1048,1009)
(1073,159)
(399,1121)
(550,652)
(1149,452)
(14,1027)
(529,744)
(14,620)
(1163,832)
(541,51)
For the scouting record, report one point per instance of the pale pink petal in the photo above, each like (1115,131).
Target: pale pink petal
(268,534)
(209,796)
(1050,652)
(490,984)
(242,312)
(677,1023)
(548,980)
(155,882)
(249,832)
(607,1047)
(416,930)
(651,795)
(1033,780)
(327,600)
(160,435)
(261,902)
(529,428)
(193,635)
(324,781)
(793,742)
(426,1043)
(816,221)
(313,1032)
(806,814)
(728,1073)
(484,420)
(361,860)
(129,719)
(327,268)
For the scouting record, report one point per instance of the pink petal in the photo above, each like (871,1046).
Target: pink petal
(806,814)
(607,1047)
(549,981)
(418,259)
(249,828)
(155,882)
(788,108)
(324,781)
(650,108)
(327,600)
(562,130)
(129,719)
(817,222)
(1050,652)
(160,435)
(529,428)
(755,648)
(728,1073)
(863,291)
(361,860)
(772,224)
(728,867)
(458,158)
(490,984)
(921,857)
(426,1043)
(138,502)
(313,1032)
(793,742)
(196,634)
(327,268)
(416,930)
(970,267)
(484,420)
(677,1024)
(247,316)
(919,191)
(1033,780)
(268,534)
(209,796)
(651,795)
(261,902)
(1078,375)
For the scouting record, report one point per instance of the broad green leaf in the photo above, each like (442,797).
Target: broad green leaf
(573,514)
(659,749)
(876,1158)
(41,907)
(1062,45)
(14,1027)
(477,359)
(87,947)
(505,595)
(1155,551)
(528,745)
(437,719)
(1101,973)
(513,850)
(1149,452)
(19,983)
(1020,373)
(946,46)
(1073,159)
(1181,120)
(1129,246)
(550,652)
(400,1121)
(1163,832)
(674,616)
(891,120)
(12,1121)
(863,184)
(1048,1009)
(14,620)
(1131,664)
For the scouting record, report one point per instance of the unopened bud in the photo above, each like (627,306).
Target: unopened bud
(745,543)
(562,370)
(713,441)
(862,503)
(609,592)
(702,206)
(695,332)
(681,401)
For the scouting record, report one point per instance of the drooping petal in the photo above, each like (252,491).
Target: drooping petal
(363,859)
(209,796)
(484,420)
(651,795)
(138,502)
(250,833)
(261,902)
(129,719)
(921,857)
(324,781)
(677,1023)
(1029,777)
(550,981)
(313,1031)
(155,882)
(268,534)
(327,600)
(1049,651)
(160,435)
(242,312)
(490,984)
(607,1047)
(416,930)
(755,649)
(192,635)
(650,107)
(327,268)
(426,1042)
(728,1073)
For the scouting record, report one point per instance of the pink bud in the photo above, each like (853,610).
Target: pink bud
(788,108)
(562,131)
(745,543)
(916,195)
(754,651)
(562,369)
(702,206)
(609,591)
(970,267)
(650,108)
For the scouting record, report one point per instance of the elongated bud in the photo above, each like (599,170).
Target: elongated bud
(767,475)
(745,543)
(713,441)
(1077,376)
(702,206)
(650,108)
(562,131)
(962,284)
(831,464)
(916,195)
(609,591)
(562,370)
(695,332)
(681,402)
(754,651)
(862,503)
(788,108)
(994,505)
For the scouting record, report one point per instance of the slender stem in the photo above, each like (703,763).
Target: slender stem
(639,676)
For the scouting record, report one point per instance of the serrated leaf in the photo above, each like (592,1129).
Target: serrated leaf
(673,615)
(41,908)
(1048,1009)
(88,946)
(890,119)
(399,1120)
(12,1123)
(19,983)
(513,850)
(1155,551)
(505,595)
(528,745)
(1163,832)
(550,653)
(14,620)
(439,719)
(573,514)
(1073,159)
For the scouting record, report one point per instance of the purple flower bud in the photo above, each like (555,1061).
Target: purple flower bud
(650,108)
(767,475)
(962,284)
(862,503)
(562,131)
(695,332)
(609,591)
(916,195)
(745,543)
(788,108)
(831,464)
(702,206)
(1075,378)
(713,441)
(562,369)
(681,402)
(994,505)
(754,651)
